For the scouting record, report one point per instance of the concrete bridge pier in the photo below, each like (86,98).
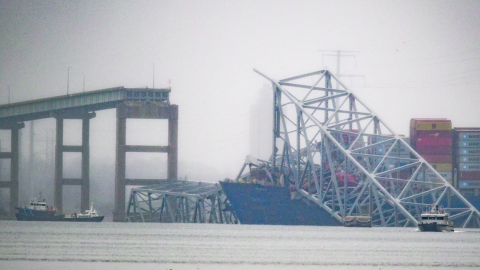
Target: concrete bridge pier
(13,155)
(142,110)
(84,149)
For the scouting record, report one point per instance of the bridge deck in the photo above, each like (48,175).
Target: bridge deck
(90,101)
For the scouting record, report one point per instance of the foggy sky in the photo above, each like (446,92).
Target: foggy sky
(418,59)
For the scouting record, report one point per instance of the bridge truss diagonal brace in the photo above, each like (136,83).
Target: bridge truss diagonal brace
(179,202)
(378,157)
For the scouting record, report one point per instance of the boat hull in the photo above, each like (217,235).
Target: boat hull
(270,205)
(435,227)
(87,219)
(23,214)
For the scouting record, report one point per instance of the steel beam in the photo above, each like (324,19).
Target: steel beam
(179,202)
(356,165)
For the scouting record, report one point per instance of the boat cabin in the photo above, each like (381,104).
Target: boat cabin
(35,205)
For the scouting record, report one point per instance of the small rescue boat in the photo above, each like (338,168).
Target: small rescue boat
(435,220)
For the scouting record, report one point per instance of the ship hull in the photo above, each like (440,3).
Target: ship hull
(23,214)
(77,219)
(435,227)
(270,205)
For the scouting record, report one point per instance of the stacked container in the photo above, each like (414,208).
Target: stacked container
(432,139)
(399,150)
(467,157)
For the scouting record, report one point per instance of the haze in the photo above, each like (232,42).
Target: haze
(413,58)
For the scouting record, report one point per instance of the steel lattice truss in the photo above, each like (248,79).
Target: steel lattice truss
(179,202)
(339,154)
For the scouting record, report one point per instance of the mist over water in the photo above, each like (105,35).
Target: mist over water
(118,245)
(409,59)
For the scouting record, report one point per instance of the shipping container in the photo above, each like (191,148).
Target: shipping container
(469,136)
(433,134)
(433,150)
(442,167)
(469,167)
(468,144)
(468,151)
(402,151)
(466,134)
(469,159)
(434,141)
(469,184)
(414,121)
(438,158)
(433,176)
(462,175)
(433,126)
(429,127)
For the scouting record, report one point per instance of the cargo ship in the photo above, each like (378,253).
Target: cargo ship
(272,205)
(39,211)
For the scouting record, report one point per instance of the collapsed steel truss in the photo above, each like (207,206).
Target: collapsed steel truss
(338,153)
(179,202)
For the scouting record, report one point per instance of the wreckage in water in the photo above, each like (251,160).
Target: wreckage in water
(337,158)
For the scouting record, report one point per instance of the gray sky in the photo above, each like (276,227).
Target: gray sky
(419,59)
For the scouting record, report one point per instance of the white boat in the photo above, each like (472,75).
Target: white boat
(435,220)
(90,215)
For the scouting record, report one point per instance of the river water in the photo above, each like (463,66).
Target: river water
(108,245)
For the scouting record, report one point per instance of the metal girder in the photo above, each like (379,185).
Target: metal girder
(348,161)
(179,202)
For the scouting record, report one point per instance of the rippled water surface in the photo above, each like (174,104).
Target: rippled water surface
(106,245)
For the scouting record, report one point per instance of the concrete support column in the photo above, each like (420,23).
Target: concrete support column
(13,155)
(85,185)
(84,149)
(141,110)
(173,144)
(120,164)
(58,189)
(14,172)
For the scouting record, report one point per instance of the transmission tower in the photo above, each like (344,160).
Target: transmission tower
(339,54)
(339,154)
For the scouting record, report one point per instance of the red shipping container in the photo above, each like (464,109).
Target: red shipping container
(433,150)
(469,175)
(438,158)
(439,141)
(433,134)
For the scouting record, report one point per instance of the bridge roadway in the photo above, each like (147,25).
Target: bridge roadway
(129,103)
